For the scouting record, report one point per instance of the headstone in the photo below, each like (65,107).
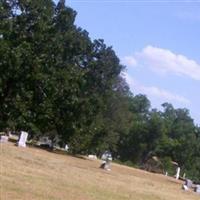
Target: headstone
(66,147)
(185,187)
(107,158)
(197,189)
(93,157)
(3,139)
(23,139)
(178,172)
(103,164)
(9,133)
(45,142)
(107,165)
(188,183)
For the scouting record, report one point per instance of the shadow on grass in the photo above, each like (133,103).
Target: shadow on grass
(49,149)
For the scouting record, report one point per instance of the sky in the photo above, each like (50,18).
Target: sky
(157,40)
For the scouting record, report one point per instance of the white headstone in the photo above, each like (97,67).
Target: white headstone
(23,139)
(106,156)
(178,172)
(9,133)
(4,139)
(93,157)
(189,183)
(197,189)
(66,147)
(107,165)
(44,141)
(185,187)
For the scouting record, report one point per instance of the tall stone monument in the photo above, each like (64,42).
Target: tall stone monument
(178,172)
(23,139)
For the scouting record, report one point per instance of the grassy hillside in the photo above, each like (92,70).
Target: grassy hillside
(34,174)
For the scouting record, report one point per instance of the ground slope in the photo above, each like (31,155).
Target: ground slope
(35,174)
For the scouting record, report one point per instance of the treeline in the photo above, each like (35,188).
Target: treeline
(55,80)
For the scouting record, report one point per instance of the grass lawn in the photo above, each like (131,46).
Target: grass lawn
(35,174)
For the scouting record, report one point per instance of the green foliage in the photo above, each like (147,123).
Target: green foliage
(168,165)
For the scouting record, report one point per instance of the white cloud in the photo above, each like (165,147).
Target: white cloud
(155,92)
(163,94)
(164,61)
(129,60)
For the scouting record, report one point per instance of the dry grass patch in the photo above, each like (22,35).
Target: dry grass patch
(34,174)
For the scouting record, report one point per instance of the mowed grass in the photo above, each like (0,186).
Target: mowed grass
(35,174)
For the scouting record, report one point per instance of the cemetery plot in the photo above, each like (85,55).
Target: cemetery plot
(35,174)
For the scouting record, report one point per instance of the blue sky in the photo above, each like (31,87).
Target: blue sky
(156,40)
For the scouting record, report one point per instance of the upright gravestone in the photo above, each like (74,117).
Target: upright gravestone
(107,158)
(178,172)
(66,147)
(197,189)
(189,183)
(23,139)
(185,187)
(3,139)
